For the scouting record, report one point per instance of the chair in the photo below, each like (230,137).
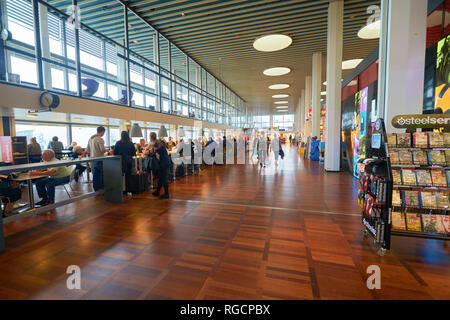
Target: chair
(72,175)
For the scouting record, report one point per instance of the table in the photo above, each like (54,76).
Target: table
(112,178)
(29,178)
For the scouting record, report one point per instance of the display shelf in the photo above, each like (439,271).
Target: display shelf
(424,166)
(440,211)
(401,186)
(419,234)
(425,149)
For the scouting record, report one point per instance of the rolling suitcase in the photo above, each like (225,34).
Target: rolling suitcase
(137,183)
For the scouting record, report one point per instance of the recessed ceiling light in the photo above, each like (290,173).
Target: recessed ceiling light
(77,118)
(350,64)
(272,42)
(280,96)
(282,107)
(277,71)
(279,86)
(370,31)
(280,102)
(282,110)
(323,93)
(31,115)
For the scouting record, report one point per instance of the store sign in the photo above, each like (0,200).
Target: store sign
(421,121)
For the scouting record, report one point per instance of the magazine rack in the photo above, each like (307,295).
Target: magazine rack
(375,188)
(420,164)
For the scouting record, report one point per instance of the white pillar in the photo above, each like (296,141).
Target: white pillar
(45,46)
(302,114)
(308,93)
(402,58)
(334,73)
(315,92)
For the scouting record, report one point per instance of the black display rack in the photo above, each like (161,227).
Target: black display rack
(375,188)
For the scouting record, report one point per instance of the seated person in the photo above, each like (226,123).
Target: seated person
(57,176)
(79,168)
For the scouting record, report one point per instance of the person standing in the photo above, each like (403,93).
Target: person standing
(159,149)
(77,153)
(276,147)
(57,176)
(262,149)
(34,151)
(125,148)
(290,139)
(56,146)
(96,148)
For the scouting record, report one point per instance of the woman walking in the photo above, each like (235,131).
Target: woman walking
(125,148)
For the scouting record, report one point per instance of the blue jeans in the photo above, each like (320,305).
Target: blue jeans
(46,187)
(98,175)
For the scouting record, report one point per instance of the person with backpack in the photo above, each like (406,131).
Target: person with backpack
(125,148)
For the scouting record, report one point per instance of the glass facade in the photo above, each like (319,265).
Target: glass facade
(114,57)
(284,121)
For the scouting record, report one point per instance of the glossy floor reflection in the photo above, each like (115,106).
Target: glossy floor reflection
(289,231)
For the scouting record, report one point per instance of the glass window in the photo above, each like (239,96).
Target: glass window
(82,134)
(114,135)
(194,73)
(179,67)
(20,20)
(164,53)
(25,68)
(42,132)
(141,37)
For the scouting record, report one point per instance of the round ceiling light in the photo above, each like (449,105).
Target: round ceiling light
(350,64)
(277,71)
(272,42)
(281,102)
(280,96)
(279,86)
(370,31)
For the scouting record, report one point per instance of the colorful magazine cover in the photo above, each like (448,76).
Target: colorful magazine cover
(392,140)
(423,177)
(439,178)
(420,157)
(413,222)
(393,155)
(447,174)
(431,223)
(444,224)
(446,139)
(447,157)
(398,221)
(396,176)
(428,200)
(405,157)
(442,200)
(404,140)
(435,139)
(409,177)
(396,198)
(436,157)
(412,199)
(420,140)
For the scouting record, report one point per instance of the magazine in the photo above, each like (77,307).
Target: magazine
(435,139)
(442,200)
(409,177)
(393,155)
(398,221)
(436,157)
(428,200)
(420,140)
(405,157)
(431,223)
(420,157)
(396,198)
(397,177)
(423,177)
(439,178)
(413,222)
(446,139)
(392,140)
(404,140)
(412,199)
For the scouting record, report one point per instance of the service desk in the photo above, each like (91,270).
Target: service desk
(112,178)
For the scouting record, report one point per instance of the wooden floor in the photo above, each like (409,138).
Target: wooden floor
(232,232)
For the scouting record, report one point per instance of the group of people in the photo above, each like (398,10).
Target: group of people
(262,146)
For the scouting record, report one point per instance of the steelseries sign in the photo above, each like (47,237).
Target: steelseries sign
(422,121)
